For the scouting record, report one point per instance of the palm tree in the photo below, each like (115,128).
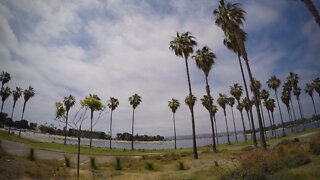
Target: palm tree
(286,100)
(312,8)
(207,103)
(267,105)
(214,112)
(4,78)
(204,60)
(4,93)
(247,104)
(236,91)
(316,85)
(27,93)
(134,100)
(309,90)
(222,101)
(174,105)
(264,94)
(230,17)
(294,79)
(16,95)
(270,105)
(183,45)
(93,102)
(230,102)
(113,104)
(274,83)
(287,88)
(68,102)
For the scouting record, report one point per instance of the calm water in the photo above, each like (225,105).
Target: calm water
(185,143)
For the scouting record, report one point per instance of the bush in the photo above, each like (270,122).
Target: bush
(315,148)
(118,164)
(181,166)
(149,166)
(31,156)
(296,160)
(93,162)
(244,174)
(67,161)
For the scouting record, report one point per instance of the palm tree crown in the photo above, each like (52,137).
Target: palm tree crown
(5,93)
(204,59)
(17,93)
(113,103)
(183,44)
(190,100)
(309,89)
(222,100)
(69,102)
(274,82)
(236,91)
(135,100)
(28,93)
(4,78)
(174,105)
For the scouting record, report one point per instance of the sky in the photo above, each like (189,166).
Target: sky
(116,48)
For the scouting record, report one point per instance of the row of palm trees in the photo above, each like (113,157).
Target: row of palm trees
(94,104)
(229,17)
(5,93)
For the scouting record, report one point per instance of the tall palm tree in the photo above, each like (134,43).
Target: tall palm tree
(312,8)
(207,103)
(183,45)
(113,104)
(4,93)
(223,101)
(68,102)
(236,91)
(294,79)
(264,95)
(27,93)
(231,43)
(174,105)
(134,101)
(230,17)
(268,105)
(247,104)
(16,95)
(93,102)
(286,100)
(287,88)
(230,102)
(4,78)
(214,112)
(274,83)
(205,60)
(309,90)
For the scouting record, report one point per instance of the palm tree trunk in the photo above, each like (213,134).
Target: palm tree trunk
(294,115)
(250,127)
(262,137)
(14,105)
(194,144)
(313,10)
(283,131)
(264,123)
(234,125)
(78,153)
(132,129)
(315,111)
(214,146)
(174,131)
(91,129)
(225,117)
(301,113)
(65,131)
(290,119)
(244,127)
(215,126)
(24,107)
(2,106)
(271,126)
(110,130)
(254,137)
(273,122)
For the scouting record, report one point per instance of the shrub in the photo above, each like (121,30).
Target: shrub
(315,148)
(296,160)
(149,166)
(93,162)
(67,161)
(118,164)
(31,156)
(243,174)
(181,166)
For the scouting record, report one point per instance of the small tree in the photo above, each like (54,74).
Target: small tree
(134,100)
(174,105)
(113,104)
(28,93)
